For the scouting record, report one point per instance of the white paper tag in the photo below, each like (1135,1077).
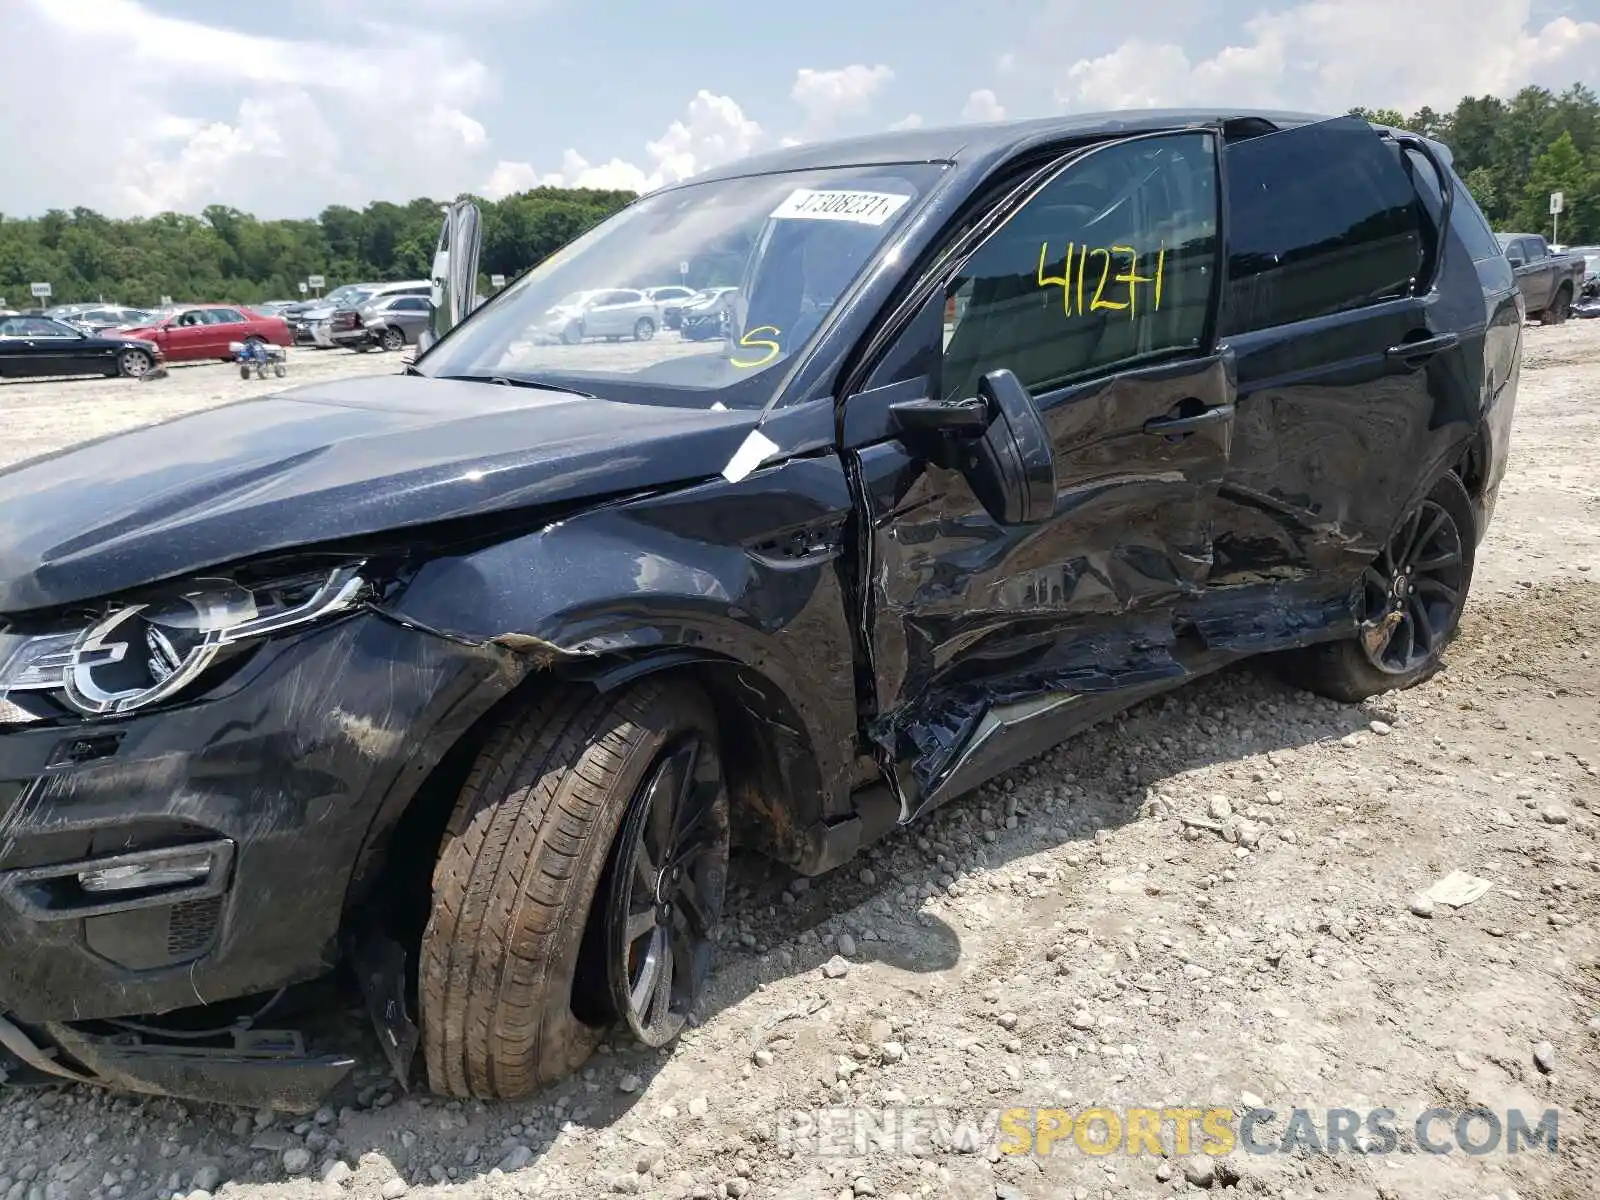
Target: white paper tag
(862,208)
(751,453)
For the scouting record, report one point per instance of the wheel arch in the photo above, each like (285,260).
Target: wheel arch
(776,788)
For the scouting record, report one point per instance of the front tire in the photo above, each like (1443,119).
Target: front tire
(512,980)
(133,364)
(1412,596)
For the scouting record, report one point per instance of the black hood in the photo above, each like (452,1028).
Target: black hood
(324,462)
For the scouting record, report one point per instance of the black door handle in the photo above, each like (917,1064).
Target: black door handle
(1412,351)
(1169,426)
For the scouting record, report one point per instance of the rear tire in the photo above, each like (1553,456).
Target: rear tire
(512,996)
(392,339)
(1350,670)
(644,329)
(1556,314)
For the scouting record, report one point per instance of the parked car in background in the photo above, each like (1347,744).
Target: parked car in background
(110,316)
(1591,268)
(205,331)
(338,296)
(670,300)
(1549,282)
(273,308)
(40,345)
(703,317)
(388,323)
(314,326)
(613,313)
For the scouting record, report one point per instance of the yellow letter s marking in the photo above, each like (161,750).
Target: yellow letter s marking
(750,342)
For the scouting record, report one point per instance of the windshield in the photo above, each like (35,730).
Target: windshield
(782,248)
(339,295)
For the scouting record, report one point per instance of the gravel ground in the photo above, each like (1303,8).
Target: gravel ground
(1211,901)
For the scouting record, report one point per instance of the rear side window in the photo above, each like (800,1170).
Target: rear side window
(1321,219)
(1466,219)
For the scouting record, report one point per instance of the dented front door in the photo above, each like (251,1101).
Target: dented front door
(1099,294)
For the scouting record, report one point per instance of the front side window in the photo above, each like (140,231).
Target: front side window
(1321,219)
(34,327)
(1112,262)
(224,316)
(791,243)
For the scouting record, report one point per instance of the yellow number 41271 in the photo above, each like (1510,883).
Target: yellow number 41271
(1083,290)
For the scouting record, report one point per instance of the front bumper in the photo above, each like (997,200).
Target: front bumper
(290,772)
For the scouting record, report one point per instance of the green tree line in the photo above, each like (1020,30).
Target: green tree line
(225,254)
(1511,153)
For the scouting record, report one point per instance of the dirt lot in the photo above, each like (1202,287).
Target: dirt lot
(1074,937)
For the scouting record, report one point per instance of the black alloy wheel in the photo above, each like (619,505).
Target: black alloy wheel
(1414,591)
(667,887)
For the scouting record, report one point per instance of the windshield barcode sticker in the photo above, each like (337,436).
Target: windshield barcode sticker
(864,208)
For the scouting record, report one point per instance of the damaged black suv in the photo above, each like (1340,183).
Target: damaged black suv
(466,678)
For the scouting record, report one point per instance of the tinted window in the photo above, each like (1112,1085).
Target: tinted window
(1112,261)
(224,316)
(410,304)
(1467,221)
(1321,219)
(33,327)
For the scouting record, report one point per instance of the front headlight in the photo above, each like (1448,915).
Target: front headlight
(138,654)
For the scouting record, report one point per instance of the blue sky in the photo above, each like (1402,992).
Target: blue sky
(284,108)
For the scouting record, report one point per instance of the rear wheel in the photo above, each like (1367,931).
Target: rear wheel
(1559,307)
(644,329)
(391,338)
(1412,596)
(540,933)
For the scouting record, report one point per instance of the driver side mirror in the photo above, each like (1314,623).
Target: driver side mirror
(997,440)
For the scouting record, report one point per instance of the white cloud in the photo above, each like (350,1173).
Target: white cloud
(301,123)
(982,105)
(831,97)
(1328,55)
(713,130)
(909,121)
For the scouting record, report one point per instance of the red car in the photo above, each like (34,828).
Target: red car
(205,331)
